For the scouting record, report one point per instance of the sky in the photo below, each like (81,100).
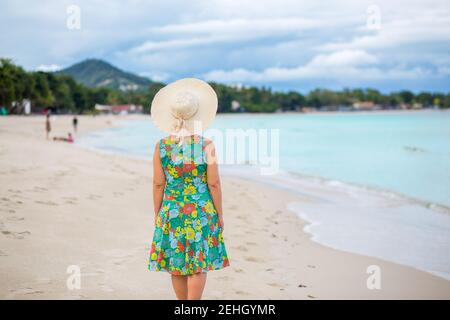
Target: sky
(282,44)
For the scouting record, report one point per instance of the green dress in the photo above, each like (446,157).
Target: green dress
(188,236)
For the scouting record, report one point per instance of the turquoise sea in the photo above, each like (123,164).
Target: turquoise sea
(378,183)
(403,152)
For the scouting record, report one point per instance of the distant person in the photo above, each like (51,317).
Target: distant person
(68,139)
(75,123)
(48,126)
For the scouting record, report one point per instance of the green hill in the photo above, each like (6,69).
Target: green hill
(98,73)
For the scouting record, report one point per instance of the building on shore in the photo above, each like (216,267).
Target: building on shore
(119,109)
(366,105)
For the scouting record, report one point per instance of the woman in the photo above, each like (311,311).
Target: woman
(187,241)
(48,126)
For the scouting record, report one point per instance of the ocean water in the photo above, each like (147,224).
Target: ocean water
(378,183)
(408,152)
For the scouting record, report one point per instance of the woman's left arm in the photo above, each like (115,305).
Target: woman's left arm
(213,180)
(159,182)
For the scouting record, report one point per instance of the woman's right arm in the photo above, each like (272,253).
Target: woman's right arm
(159,182)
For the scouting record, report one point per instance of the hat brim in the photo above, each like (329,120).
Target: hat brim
(206,112)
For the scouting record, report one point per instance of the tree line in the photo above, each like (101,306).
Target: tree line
(62,94)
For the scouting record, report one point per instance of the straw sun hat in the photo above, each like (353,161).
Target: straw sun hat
(184,107)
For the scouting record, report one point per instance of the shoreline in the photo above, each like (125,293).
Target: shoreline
(355,112)
(323,193)
(428,203)
(242,171)
(436,207)
(432,205)
(66,206)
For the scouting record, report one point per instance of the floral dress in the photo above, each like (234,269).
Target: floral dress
(188,237)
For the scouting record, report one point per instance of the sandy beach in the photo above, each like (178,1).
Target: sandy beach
(62,205)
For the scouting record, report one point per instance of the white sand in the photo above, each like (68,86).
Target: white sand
(61,205)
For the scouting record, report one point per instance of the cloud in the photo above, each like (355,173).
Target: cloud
(346,64)
(274,43)
(239,26)
(149,46)
(48,67)
(156,76)
(426,28)
(343,58)
(213,32)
